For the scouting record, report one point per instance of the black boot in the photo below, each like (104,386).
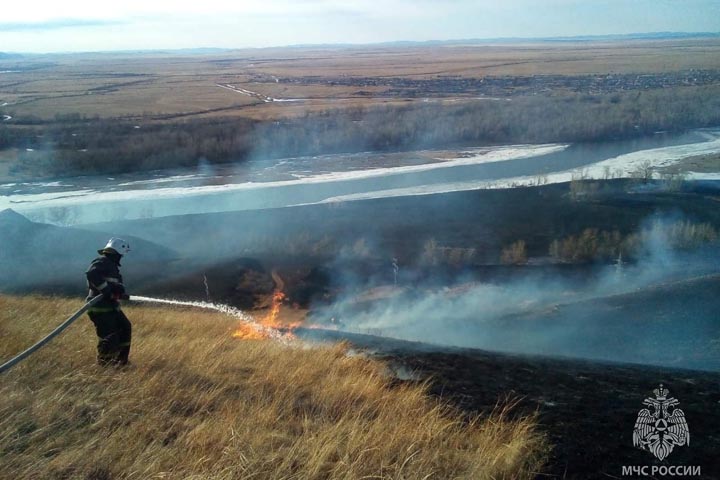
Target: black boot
(123,355)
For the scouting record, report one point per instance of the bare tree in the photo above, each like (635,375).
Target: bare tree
(673,181)
(644,171)
(607,174)
(515,254)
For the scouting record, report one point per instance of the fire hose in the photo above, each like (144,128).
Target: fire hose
(22,356)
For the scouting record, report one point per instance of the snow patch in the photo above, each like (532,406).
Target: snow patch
(622,166)
(79,197)
(174,178)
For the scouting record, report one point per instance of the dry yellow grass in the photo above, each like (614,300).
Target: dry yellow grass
(200,404)
(169,84)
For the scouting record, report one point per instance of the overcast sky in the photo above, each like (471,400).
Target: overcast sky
(91,25)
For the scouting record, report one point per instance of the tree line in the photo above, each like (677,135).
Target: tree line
(75,144)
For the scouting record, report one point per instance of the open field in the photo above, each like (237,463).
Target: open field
(65,115)
(201,404)
(157,86)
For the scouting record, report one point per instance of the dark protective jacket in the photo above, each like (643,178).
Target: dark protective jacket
(103,277)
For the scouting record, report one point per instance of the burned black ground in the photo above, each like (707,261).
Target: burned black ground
(588,409)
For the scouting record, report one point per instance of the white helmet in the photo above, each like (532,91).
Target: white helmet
(118,245)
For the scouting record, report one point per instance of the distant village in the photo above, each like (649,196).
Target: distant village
(505,86)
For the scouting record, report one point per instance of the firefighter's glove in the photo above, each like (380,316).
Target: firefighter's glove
(118,290)
(107,291)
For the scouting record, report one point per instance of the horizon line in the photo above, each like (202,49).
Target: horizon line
(655,35)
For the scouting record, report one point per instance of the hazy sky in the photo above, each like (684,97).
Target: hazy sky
(90,25)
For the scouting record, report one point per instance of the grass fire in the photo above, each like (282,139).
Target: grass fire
(249,331)
(269,325)
(201,404)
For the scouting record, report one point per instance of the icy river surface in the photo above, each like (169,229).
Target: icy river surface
(341,177)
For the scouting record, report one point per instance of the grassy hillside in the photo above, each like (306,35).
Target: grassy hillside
(199,404)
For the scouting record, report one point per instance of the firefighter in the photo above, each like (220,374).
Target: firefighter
(113,328)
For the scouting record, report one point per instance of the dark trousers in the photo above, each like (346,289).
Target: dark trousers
(114,332)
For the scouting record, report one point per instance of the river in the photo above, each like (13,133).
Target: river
(339,177)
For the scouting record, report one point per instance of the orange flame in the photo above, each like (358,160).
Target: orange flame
(271,319)
(271,322)
(248,331)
